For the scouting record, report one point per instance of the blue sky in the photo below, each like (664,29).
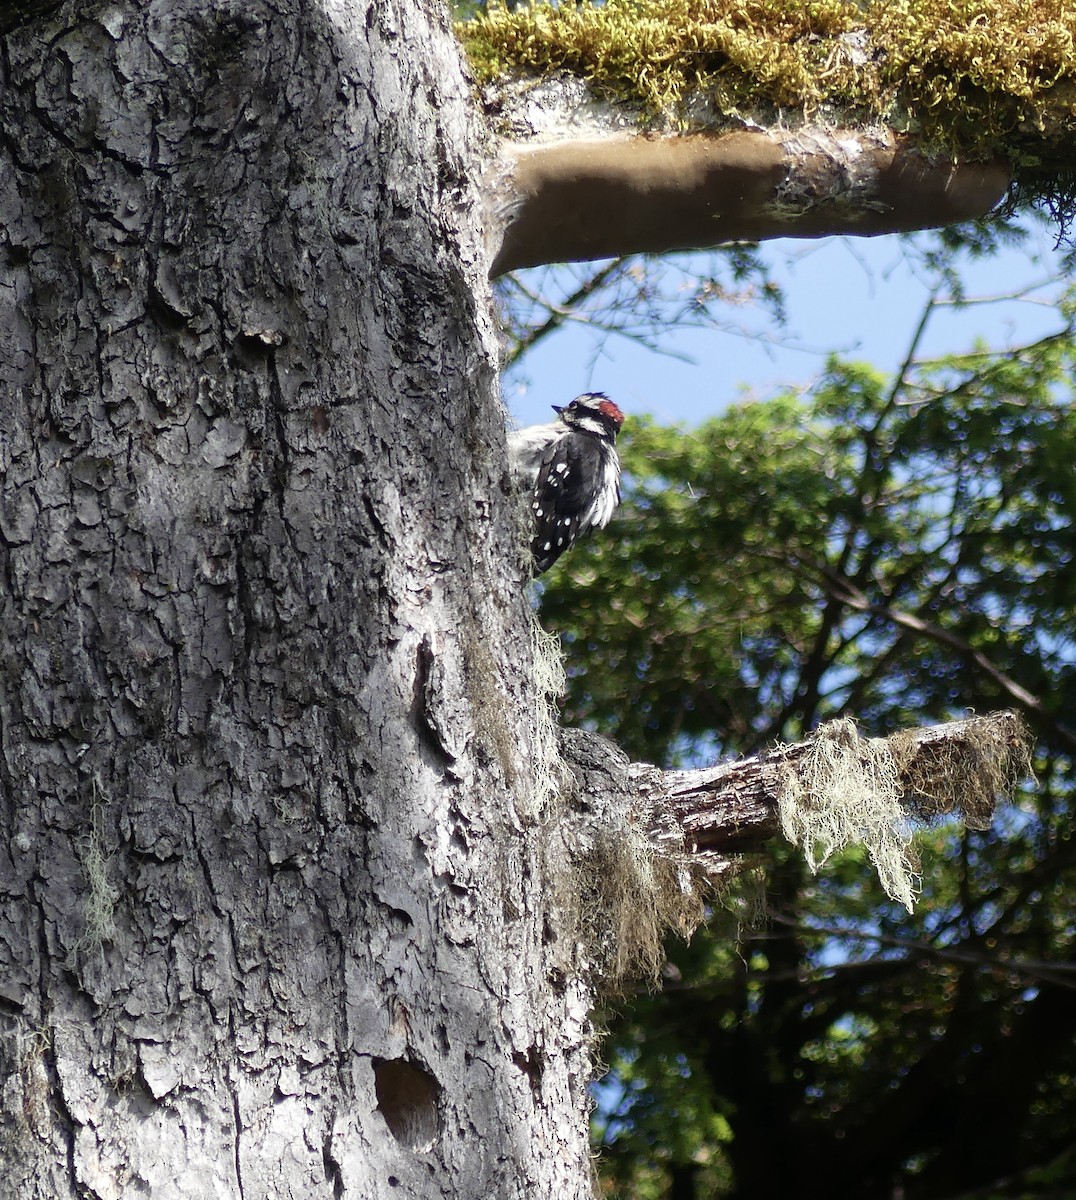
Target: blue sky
(861,297)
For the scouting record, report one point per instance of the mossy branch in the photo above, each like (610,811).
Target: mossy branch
(972,80)
(592,101)
(676,833)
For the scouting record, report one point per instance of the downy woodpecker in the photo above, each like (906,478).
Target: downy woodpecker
(572,471)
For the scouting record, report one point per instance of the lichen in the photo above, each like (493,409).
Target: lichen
(101,896)
(847,791)
(874,792)
(615,892)
(548,684)
(965,778)
(489,708)
(630,899)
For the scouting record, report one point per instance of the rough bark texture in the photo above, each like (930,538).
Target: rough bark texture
(272,892)
(283,912)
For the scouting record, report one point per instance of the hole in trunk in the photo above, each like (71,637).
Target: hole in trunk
(407,1099)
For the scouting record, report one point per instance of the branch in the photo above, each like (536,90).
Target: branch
(599,197)
(1038,971)
(561,312)
(714,816)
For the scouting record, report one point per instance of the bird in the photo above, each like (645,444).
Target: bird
(571,469)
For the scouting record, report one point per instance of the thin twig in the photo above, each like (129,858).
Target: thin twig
(560,313)
(1058,974)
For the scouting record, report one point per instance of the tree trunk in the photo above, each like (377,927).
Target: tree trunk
(275,893)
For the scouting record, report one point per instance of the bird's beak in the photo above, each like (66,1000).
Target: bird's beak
(557,408)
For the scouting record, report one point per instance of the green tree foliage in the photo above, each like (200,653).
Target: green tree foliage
(900,551)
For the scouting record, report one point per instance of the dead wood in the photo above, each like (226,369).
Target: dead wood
(716,815)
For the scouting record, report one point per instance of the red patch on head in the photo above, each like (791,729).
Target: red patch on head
(608,409)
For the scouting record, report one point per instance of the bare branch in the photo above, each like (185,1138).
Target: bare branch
(561,312)
(846,591)
(1038,971)
(621,194)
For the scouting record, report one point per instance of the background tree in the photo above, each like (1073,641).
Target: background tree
(897,550)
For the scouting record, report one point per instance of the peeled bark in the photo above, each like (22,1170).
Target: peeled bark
(273,903)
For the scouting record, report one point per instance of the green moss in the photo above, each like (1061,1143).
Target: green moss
(659,53)
(975,78)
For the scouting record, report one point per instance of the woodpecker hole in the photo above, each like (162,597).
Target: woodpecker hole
(532,1065)
(407,1099)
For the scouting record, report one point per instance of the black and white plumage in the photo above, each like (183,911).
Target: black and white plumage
(572,471)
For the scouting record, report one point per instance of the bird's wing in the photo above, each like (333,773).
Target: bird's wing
(565,489)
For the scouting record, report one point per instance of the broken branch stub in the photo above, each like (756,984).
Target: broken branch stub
(641,847)
(838,788)
(832,790)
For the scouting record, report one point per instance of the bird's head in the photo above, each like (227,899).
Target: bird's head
(593,412)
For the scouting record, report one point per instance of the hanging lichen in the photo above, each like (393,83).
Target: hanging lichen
(849,790)
(548,683)
(846,791)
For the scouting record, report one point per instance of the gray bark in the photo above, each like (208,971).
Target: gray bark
(274,911)
(284,910)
